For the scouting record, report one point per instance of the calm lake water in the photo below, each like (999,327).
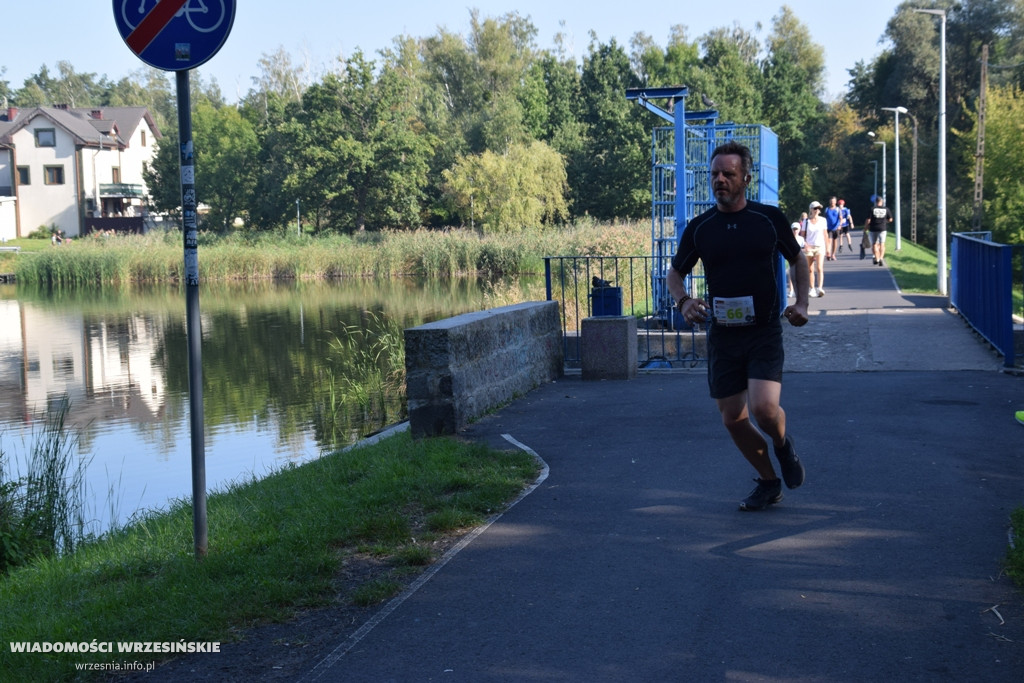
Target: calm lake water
(290,371)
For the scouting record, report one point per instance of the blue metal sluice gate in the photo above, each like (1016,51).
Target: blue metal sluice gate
(693,137)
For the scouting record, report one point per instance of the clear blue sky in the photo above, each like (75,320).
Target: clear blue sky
(318,31)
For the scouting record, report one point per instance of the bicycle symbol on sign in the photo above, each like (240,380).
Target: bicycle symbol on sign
(197,14)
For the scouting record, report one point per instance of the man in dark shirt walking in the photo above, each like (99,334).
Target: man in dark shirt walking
(876,224)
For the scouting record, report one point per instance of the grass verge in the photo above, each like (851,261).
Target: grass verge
(915,268)
(1015,552)
(276,547)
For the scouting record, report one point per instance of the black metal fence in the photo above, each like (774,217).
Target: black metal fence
(589,286)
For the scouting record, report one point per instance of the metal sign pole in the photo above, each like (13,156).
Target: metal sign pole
(189,219)
(171,35)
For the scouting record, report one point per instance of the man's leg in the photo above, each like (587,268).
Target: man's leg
(746,437)
(764,401)
(764,398)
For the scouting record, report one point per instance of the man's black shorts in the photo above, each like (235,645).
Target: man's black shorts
(740,353)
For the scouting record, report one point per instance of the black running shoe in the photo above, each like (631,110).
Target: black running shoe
(767,493)
(789,463)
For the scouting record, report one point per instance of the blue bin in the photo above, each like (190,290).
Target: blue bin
(606,301)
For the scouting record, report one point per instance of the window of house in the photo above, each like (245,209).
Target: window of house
(53,175)
(115,175)
(46,137)
(24,178)
(143,138)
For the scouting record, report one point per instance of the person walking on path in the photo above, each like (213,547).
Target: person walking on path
(815,236)
(876,225)
(832,220)
(738,242)
(845,225)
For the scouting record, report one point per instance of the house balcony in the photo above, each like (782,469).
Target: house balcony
(124,190)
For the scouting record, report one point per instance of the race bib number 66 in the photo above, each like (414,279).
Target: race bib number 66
(734,311)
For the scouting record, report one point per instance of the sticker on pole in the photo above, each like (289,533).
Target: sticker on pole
(174,35)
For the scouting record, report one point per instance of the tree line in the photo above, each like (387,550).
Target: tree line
(490,130)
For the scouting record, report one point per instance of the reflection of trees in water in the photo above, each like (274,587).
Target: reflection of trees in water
(325,358)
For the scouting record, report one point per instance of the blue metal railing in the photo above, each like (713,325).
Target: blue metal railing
(981,287)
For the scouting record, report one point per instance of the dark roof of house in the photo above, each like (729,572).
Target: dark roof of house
(89,126)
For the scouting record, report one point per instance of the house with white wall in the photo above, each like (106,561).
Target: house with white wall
(76,169)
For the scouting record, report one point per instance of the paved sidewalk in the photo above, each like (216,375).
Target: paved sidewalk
(630,561)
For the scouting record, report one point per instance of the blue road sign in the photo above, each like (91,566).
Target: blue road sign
(174,35)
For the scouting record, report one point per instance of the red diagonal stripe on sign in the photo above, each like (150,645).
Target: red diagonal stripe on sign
(157,19)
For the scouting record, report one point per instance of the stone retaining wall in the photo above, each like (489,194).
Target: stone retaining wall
(460,368)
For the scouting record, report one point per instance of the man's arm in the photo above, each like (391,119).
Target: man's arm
(693,309)
(677,288)
(796,313)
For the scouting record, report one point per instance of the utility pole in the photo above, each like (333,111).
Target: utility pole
(913,185)
(940,237)
(979,155)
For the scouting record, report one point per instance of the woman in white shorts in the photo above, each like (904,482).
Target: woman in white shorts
(815,234)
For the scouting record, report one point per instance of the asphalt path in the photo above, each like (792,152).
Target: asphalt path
(630,561)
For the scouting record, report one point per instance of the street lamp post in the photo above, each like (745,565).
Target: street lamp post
(874,162)
(897,111)
(940,240)
(885,198)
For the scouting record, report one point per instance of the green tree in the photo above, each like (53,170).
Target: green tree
(508,192)
(279,84)
(357,155)
(1004,166)
(794,77)
(226,150)
(733,74)
(504,50)
(226,153)
(163,176)
(678,64)
(147,87)
(610,174)
(67,87)
(561,80)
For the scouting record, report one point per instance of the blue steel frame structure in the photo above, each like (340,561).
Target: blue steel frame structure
(692,138)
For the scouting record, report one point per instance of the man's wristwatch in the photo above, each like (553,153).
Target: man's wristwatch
(683,300)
